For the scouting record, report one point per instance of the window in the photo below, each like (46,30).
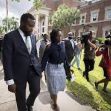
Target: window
(43,26)
(43,30)
(43,23)
(94,16)
(108,13)
(83,18)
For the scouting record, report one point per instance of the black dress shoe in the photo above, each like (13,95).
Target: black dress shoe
(87,78)
(30,108)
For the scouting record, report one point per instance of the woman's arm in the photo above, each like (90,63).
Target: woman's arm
(45,57)
(92,44)
(99,51)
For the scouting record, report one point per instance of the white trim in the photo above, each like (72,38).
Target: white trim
(94,1)
(106,16)
(88,23)
(91,17)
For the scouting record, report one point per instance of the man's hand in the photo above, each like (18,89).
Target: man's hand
(12,88)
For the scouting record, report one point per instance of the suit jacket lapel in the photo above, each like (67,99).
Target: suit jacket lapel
(32,42)
(22,42)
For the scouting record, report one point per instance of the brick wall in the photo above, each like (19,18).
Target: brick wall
(101,23)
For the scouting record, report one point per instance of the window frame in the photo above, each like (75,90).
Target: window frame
(92,17)
(83,14)
(106,14)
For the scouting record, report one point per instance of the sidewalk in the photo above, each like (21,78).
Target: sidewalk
(65,102)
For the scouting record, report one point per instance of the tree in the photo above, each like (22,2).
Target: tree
(12,24)
(1,30)
(64,17)
(37,4)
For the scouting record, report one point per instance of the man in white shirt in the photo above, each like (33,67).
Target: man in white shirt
(21,64)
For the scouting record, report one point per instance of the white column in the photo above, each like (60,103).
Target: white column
(46,24)
(36,25)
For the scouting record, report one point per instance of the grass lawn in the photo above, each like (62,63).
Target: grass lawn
(85,92)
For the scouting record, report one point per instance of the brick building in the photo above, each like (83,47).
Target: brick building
(53,4)
(96,16)
(42,15)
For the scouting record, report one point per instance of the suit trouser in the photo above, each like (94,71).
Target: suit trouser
(34,87)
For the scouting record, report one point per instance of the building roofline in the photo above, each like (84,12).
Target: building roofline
(33,8)
(91,3)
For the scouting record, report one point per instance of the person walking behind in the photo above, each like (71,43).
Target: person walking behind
(89,55)
(77,55)
(105,63)
(70,46)
(43,43)
(53,60)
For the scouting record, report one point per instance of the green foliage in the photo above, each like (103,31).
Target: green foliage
(101,39)
(37,4)
(86,92)
(1,30)
(64,16)
(12,24)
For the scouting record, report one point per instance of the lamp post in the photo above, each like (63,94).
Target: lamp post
(7,15)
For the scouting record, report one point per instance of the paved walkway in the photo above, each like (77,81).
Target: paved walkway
(65,101)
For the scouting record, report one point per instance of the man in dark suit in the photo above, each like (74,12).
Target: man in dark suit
(21,64)
(70,46)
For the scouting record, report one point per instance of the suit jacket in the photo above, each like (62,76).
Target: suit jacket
(16,58)
(69,50)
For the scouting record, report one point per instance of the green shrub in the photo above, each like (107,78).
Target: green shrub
(101,39)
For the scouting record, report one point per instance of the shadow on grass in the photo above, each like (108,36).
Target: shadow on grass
(82,94)
(105,96)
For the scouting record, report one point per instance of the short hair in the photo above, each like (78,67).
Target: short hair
(54,34)
(26,16)
(70,34)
